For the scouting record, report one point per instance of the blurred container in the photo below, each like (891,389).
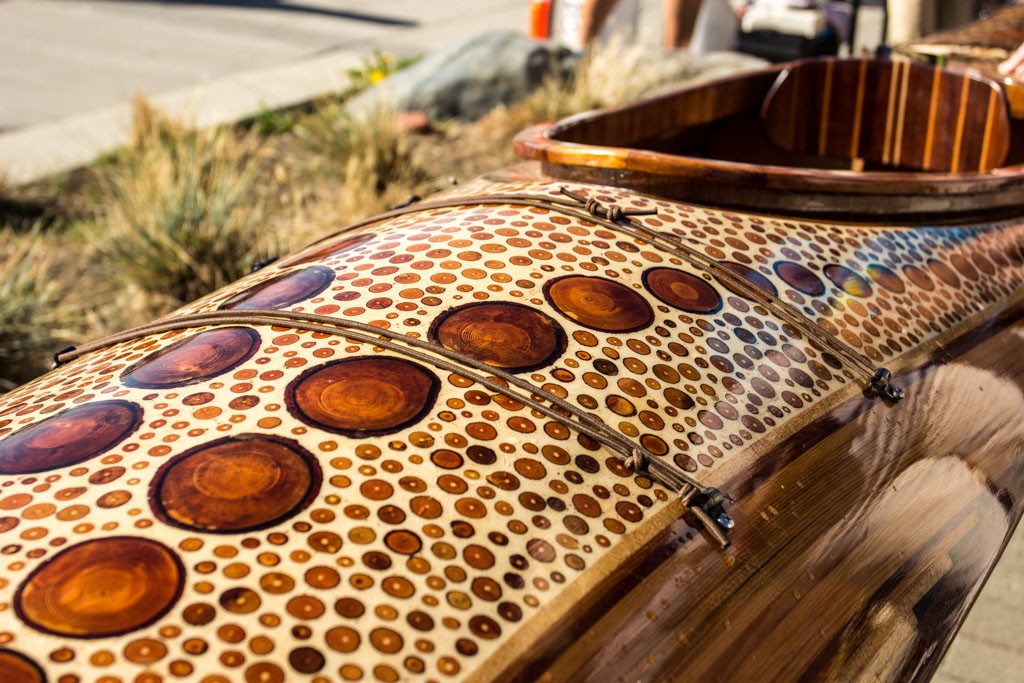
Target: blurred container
(621,23)
(716,27)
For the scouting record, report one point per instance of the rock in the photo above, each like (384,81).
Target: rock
(469,79)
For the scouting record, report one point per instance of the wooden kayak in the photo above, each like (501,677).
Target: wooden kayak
(702,392)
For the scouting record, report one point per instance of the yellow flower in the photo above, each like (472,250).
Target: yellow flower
(376,76)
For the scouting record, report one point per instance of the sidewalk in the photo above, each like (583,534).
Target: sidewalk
(69,68)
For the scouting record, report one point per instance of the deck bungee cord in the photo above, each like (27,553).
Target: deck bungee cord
(706,503)
(619,219)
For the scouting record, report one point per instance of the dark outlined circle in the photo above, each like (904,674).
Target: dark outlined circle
(236,484)
(505,335)
(195,359)
(682,290)
(599,304)
(101,588)
(69,437)
(363,396)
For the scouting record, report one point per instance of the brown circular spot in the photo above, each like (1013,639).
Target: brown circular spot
(363,396)
(484,627)
(426,507)
(145,651)
(446,459)
(374,559)
(964,266)
(263,672)
(236,484)
(17,668)
(398,586)
(599,303)
(101,588)
(478,557)
(106,475)
(283,290)
(586,505)
(452,484)
(799,278)
(199,614)
(944,272)
(113,499)
(376,489)
(240,600)
(505,335)
(322,577)
(325,542)
(750,275)
(349,608)
(540,550)
(919,277)
(305,607)
(886,278)
(403,541)
(70,437)
(277,583)
(471,507)
(509,611)
(195,359)
(386,640)
(682,290)
(486,589)
(629,511)
(306,660)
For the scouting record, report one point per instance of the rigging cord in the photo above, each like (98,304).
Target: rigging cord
(617,218)
(705,503)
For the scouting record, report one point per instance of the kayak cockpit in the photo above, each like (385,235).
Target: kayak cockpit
(857,138)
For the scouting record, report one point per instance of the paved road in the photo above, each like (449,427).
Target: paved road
(69,68)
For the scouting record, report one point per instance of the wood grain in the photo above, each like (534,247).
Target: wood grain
(831,576)
(946,132)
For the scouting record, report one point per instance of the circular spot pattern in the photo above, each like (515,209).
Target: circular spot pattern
(505,335)
(236,484)
(800,278)
(68,438)
(599,304)
(363,396)
(399,544)
(197,358)
(847,280)
(750,275)
(284,290)
(682,290)
(101,588)
(886,278)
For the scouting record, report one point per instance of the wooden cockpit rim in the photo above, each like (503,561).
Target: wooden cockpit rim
(606,147)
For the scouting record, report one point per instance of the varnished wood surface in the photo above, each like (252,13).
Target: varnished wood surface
(717,154)
(891,113)
(411,460)
(865,537)
(979,47)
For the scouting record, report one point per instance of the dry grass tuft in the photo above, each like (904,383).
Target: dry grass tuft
(377,164)
(181,216)
(180,212)
(35,316)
